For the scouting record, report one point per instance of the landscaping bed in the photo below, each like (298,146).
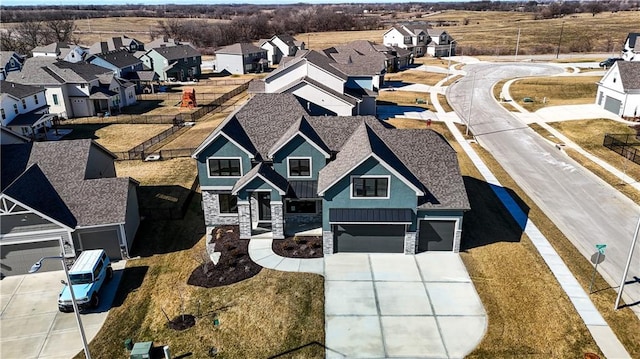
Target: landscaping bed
(234,265)
(298,247)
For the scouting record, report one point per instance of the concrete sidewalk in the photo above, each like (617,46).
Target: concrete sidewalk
(597,326)
(261,252)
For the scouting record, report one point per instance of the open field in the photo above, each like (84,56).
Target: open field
(115,137)
(415,77)
(566,90)
(323,40)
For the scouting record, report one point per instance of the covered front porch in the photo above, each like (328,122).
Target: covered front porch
(33,124)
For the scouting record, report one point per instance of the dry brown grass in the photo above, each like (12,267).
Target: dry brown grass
(452,80)
(433,61)
(198,133)
(567,90)
(415,77)
(323,40)
(115,137)
(175,171)
(442,99)
(409,123)
(589,134)
(404,98)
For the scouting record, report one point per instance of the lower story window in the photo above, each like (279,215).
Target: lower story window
(296,206)
(228,203)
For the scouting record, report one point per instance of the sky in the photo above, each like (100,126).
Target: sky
(210,2)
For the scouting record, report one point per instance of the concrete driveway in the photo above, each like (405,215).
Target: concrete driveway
(395,305)
(31,325)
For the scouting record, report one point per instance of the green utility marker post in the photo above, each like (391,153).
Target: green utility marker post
(600,248)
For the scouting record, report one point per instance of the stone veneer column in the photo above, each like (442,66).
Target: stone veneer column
(456,240)
(327,243)
(244,219)
(410,243)
(277,220)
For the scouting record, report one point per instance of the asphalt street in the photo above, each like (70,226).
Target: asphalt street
(585,208)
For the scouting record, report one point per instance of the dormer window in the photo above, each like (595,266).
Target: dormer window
(421,38)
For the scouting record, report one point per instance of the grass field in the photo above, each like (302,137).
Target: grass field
(567,90)
(442,99)
(404,98)
(115,137)
(415,77)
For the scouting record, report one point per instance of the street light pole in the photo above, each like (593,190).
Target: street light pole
(517,46)
(560,41)
(626,267)
(473,85)
(36,267)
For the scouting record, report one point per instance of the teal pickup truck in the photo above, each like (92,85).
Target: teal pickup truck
(87,275)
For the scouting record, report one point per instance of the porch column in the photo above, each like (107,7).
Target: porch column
(410,243)
(327,242)
(244,219)
(277,220)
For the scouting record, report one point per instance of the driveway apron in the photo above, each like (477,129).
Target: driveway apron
(395,305)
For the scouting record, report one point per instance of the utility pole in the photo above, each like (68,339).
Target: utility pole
(626,268)
(515,58)
(560,41)
(473,85)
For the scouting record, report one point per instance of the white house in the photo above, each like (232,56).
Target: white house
(619,89)
(412,38)
(441,44)
(631,52)
(241,58)
(62,51)
(24,109)
(280,46)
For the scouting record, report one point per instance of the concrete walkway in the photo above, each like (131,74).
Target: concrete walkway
(597,326)
(391,305)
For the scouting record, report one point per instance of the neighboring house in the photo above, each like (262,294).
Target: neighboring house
(619,89)
(117,43)
(412,38)
(121,62)
(631,49)
(9,62)
(280,46)
(72,89)
(441,44)
(241,58)
(165,41)
(371,188)
(8,137)
(62,197)
(342,80)
(61,51)
(24,109)
(174,63)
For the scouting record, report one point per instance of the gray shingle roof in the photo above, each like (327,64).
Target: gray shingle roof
(287,39)
(29,118)
(177,52)
(45,70)
(240,49)
(346,98)
(300,126)
(324,62)
(267,173)
(17,90)
(119,58)
(64,163)
(629,74)
(114,43)
(54,47)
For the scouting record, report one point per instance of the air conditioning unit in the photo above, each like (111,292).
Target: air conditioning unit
(153,157)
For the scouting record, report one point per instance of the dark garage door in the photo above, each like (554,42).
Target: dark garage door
(107,240)
(369,238)
(612,105)
(18,258)
(436,235)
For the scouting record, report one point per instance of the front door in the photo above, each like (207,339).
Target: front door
(264,206)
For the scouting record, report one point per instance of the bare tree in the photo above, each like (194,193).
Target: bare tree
(60,30)
(30,33)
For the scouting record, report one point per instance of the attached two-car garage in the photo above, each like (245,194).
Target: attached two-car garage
(18,258)
(370,238)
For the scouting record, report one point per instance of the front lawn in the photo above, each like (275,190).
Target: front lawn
(404,98)
(554,91)
(415,77)
(263,316)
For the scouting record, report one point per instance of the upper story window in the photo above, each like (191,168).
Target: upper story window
(35,98)
(299,167)
(4,116)
(82,86)
(407,39)
(370,187)
(15,108)
(421,38)
(55,99)
(24,104)
(224,167)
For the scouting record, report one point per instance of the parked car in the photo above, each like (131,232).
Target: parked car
(87,275)
(610,61)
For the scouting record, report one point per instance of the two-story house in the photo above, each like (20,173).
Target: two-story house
(174,63)
(117,43)
(370,188)
(61,51)
(631,48)
(441,44)
(619,89)
(280,46)
(241,58)
(24,109)
(9,62)
(412,38)
(72,89)
(121,62)
(62,197)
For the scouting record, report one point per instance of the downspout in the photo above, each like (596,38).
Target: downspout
(124,248)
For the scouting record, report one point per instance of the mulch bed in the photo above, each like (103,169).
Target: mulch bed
(182,322)
(234,265)
(298,247)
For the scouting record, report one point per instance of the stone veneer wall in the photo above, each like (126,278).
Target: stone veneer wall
(244,219)
(410,243)
(277,220)
(457,237)
(211,209)
(327,243)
